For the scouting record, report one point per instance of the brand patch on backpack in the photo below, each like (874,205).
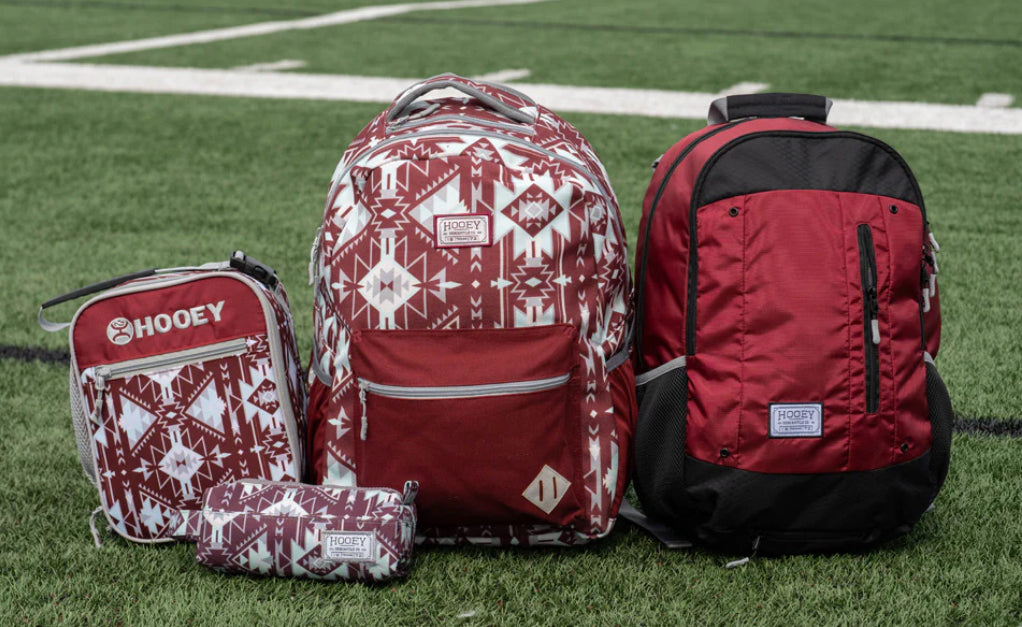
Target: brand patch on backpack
(796,420)
(462,230)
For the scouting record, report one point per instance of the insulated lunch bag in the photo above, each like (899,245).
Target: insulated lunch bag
(787,323)
(471,315)
(181,379)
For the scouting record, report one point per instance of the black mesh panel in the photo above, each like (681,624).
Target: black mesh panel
(660,443)
(941,417)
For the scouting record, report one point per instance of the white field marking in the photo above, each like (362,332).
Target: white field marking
(503,76)
(995,101)
(253,30)
(275,66)
(606,100)
(744,88)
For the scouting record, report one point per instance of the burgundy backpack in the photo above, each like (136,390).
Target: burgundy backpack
(787,322)
(472,307)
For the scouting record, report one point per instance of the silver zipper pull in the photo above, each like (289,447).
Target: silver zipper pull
(926,300)
(874,325)
(314,255)
(933,242)
(363,391)
(97,410)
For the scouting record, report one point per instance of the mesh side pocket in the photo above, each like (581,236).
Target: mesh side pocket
(941,417)
(660,442)
(80,419)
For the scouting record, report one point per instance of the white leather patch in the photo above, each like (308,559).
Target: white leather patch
(547,489)
(461,230)
(349,546)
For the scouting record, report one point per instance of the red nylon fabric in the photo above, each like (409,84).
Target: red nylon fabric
(472,457)
(241,315)
(668,238)
(780,321)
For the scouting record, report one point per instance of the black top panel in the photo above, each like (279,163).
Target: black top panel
(840,161)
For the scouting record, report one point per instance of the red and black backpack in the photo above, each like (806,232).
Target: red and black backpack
(787,322)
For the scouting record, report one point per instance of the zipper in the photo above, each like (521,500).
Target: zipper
(132,367)
(870,313)
(451,392)
(461,119)
(640,288)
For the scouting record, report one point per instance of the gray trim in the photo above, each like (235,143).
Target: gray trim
(163,361)
(463,391)
(461,119)
(928,358)
(649,375)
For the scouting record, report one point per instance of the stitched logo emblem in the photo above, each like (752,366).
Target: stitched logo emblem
(120,331)
(351,546)
(796,420)
(462,230)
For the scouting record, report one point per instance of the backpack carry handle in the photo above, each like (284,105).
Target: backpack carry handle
(239,261)
(50,326)
(465,86)
(776,105)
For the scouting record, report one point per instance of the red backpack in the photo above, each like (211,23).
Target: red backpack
(472,302)
(787,322)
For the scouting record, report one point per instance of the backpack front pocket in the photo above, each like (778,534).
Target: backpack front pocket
(486,420)
(167,427)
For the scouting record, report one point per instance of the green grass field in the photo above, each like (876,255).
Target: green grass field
(96,184)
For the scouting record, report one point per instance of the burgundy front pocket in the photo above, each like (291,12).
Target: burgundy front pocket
(486,420)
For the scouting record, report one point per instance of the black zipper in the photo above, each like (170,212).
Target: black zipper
(649,225)
(695,203)
(870,313)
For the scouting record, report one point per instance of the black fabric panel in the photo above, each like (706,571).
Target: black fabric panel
(728,508)
(844,162)
(941,419)
(660,443)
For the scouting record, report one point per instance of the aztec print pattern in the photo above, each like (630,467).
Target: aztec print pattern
(166,436)
(558,255)
(296,530)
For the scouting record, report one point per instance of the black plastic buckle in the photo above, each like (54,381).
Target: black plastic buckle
(253,268)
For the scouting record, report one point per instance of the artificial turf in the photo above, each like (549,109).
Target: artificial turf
(94,184)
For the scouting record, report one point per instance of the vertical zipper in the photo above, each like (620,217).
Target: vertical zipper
(870,312)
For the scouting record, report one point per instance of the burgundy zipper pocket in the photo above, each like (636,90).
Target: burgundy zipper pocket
(485,420)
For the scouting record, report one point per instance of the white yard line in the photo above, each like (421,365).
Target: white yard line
(253,30)
(744,88)
(273,66)
(995,101)
(504,76)
(644,102)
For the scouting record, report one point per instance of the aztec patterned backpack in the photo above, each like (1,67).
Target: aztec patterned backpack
(471,320)
(787,320)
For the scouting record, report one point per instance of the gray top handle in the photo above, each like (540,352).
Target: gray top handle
(777,105)
(400,107)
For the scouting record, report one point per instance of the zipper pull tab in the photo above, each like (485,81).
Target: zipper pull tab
(874,325)
(363,391)
(933,242)
(97,410)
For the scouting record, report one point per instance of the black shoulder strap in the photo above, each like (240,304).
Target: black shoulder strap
(662,532)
